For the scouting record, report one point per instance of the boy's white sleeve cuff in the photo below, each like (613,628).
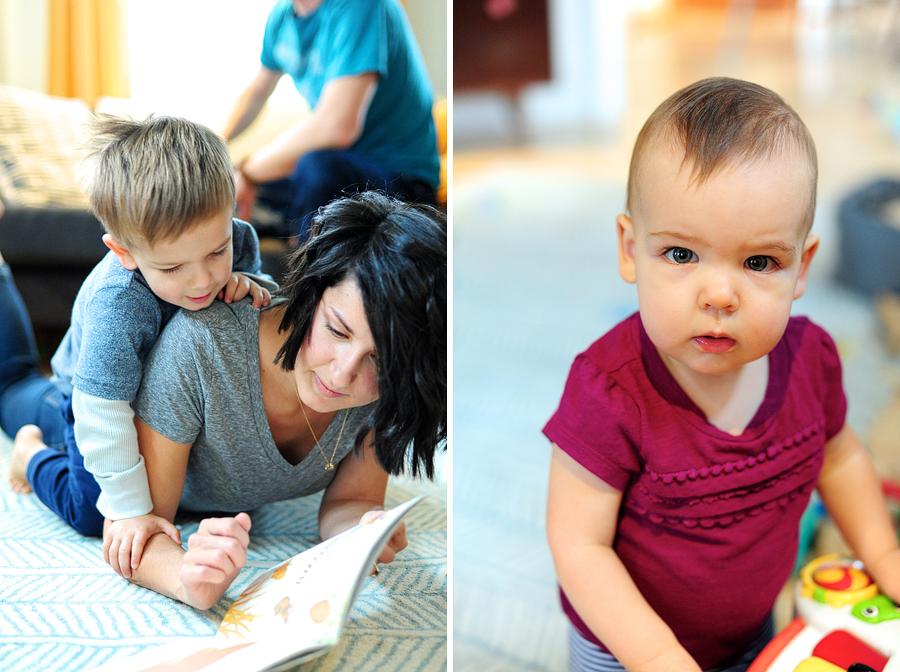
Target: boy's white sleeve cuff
(107,438)
(125,495)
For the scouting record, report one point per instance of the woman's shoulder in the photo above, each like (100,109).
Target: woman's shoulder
(219,315)
(220,327)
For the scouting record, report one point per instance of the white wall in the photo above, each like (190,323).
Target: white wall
(23,34)
(218,39)
(199,62)
(429,22)
(588,87)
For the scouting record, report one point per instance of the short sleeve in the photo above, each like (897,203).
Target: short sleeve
(123,325)
(359,42)
(597,424)
(270,36)
(171,398)
(834,400)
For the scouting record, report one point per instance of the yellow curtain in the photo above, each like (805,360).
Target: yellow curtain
(88,49)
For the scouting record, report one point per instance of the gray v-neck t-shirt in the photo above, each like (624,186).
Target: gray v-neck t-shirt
(201,386)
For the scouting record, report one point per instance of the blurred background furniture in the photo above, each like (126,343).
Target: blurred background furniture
(501,46)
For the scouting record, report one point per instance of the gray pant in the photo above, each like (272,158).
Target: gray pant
(585,656)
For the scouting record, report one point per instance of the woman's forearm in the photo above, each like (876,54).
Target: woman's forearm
(337,516)
(199,576)
(160,567)
(359,486)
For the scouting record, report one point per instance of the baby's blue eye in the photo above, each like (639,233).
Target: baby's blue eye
(680,255)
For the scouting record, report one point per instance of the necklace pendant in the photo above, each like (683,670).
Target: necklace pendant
(329,466)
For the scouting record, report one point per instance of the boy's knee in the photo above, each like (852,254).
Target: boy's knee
(88,523)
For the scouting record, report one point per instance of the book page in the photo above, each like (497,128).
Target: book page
(290,613)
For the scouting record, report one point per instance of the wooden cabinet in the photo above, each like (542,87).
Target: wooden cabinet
(500,45)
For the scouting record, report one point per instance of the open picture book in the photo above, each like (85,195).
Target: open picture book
(290,613)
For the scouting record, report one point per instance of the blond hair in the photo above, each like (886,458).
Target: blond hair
(719,122)
(155,179)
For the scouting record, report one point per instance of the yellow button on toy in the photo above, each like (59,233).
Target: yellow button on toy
(817,665)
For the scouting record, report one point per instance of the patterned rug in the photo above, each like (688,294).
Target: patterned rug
(63,608)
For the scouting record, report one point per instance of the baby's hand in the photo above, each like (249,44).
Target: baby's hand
(239,286)
(124,540)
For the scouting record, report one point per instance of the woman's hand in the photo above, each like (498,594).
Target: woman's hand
(216,553)
(395,544)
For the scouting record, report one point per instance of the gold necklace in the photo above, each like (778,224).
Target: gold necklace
(329,464)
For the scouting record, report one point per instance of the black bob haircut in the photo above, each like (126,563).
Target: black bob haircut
(396,253)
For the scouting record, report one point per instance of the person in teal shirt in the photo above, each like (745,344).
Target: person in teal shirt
(357,64)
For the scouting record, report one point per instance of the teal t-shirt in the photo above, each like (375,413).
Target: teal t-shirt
(351,37)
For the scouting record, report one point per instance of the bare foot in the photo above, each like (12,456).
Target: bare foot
(29,440)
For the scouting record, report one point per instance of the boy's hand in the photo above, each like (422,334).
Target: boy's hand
(124,540)
(216,553)
(239,286)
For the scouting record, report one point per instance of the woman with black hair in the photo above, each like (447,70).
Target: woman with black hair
(339,383)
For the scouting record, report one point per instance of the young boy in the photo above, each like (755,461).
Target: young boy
(164,190)
(689,438)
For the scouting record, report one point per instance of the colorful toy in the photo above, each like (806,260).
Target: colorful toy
(843,624)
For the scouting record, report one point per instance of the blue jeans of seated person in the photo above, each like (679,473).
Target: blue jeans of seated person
(57,477)
(324,175)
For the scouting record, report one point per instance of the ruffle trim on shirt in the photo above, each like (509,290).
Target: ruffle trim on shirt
(726,468)
(726,495)
(726,520)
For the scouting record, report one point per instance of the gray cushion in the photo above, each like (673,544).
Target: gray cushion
(39,148)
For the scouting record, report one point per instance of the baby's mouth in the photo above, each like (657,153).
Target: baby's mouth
(714,344)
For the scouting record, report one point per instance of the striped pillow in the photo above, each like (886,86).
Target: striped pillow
(39,147)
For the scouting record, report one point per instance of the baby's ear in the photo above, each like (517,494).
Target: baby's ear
(626,248)
(121,252)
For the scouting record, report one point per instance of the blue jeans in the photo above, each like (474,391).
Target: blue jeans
(56,474)
(324,175)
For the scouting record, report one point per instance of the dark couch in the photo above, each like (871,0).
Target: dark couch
(51,252)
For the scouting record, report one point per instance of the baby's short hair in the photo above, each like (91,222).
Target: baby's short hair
(154,179)
(720,121)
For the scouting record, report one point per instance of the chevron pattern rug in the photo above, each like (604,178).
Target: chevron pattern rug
(63,608)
